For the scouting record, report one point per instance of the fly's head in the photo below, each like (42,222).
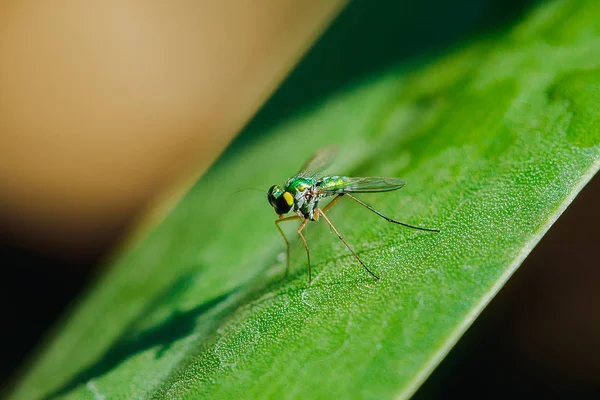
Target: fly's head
(281,201)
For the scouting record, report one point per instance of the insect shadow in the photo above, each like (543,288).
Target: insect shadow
(132,341)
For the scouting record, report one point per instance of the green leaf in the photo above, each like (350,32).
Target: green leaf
(494,141)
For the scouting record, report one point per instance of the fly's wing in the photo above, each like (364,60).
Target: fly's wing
(371,184)
(320,160)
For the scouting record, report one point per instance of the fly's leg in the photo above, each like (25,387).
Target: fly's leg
(302,225)
(384,217)
(321,212)
(287,243)
(331,203)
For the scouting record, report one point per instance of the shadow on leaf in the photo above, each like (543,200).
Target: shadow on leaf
(133,341)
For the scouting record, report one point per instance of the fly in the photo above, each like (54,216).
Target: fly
(303,192)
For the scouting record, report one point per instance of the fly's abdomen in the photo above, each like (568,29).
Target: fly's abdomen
(369,184)
(333,184)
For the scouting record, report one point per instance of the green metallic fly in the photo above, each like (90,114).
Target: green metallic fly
(303,192)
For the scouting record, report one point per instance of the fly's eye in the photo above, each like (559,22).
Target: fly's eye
(281,201)
(273,194)
(284,203)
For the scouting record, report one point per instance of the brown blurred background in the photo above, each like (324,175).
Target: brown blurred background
(104,105)
(108,113)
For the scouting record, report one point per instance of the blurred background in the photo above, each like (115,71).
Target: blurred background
(541,335)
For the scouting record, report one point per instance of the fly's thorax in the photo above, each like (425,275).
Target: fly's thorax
(306,195)
(299,185)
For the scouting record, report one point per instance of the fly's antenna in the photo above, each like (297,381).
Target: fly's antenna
(243,190)
(389,219)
